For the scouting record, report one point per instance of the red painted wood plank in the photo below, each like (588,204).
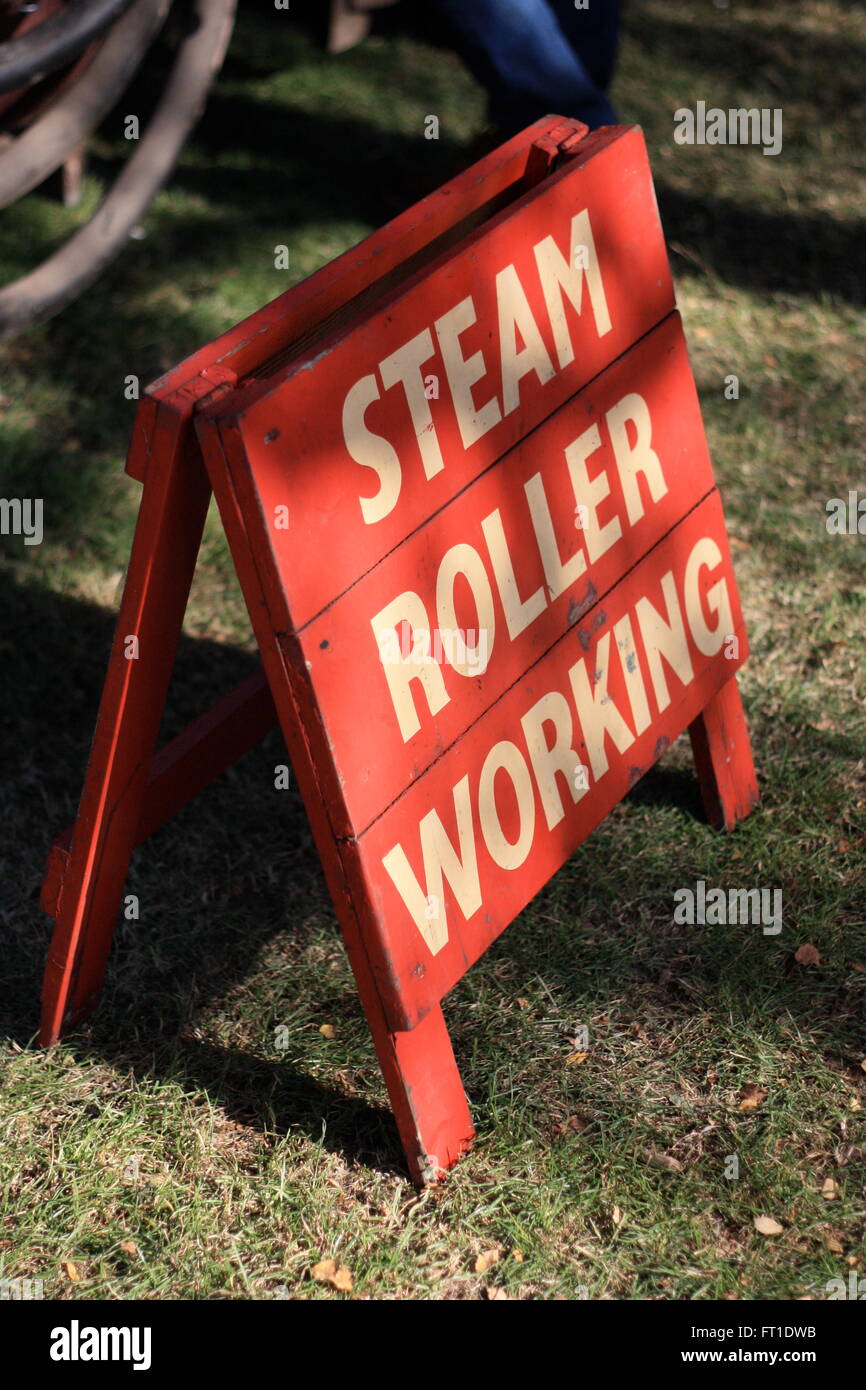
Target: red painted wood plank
(183,767)
(426,1094)
(498,810)
(420,1072)
(232,726)
(167,538)
(500,533)
(723,759)
(475,313)
(248,345)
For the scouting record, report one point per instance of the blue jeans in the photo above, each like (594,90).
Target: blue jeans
(539,57)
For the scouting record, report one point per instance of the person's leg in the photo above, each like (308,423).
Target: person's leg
(593,33)
(521,54)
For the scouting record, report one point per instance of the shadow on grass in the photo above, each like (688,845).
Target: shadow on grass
(184,956)
(765,251)
(771,58)
(142,1025)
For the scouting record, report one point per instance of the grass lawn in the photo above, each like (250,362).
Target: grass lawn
(169,1149)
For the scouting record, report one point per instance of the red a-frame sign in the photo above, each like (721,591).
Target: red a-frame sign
(464,480)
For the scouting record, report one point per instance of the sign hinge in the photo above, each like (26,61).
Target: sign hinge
(549,149)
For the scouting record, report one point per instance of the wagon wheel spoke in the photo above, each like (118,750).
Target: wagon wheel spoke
(56,42)
(43,292)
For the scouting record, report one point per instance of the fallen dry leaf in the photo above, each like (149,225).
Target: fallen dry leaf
(496,1295)
(523,1003)
(574,1059)
(751,1096)
(834,1246)
(807,955)
(617,1216)
(327,1272)
(829,1191)
(328,1030)
(129,1246)
(854,1104)
(766,1226)
(485,1261)
(71,1272)
(576,1123)
(672,1165)
(517,1254)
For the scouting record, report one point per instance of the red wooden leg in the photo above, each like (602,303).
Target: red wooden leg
(418,1065)
(426,1093)
(723,758)
(167,539)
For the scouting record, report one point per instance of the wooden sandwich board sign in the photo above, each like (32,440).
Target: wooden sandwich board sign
(464,480)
